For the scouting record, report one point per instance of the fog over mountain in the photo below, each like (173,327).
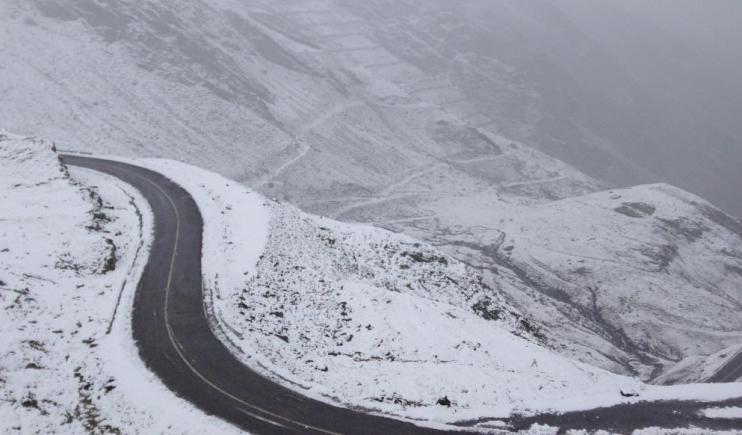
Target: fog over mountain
(711,26)
(681,62)
(451,121)
(627,91)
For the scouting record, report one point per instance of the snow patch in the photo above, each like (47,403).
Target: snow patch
(729,412)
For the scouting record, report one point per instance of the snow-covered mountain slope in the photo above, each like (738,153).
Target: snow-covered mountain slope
(282,101)
(260,84)
(71,250)
(533,250)
(359,110)
(379,321)
(346,313)
(365,318)
(277,100)
(655,267)
(594,84)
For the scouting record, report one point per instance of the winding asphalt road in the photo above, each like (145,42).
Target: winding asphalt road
(172,332)
(174,338)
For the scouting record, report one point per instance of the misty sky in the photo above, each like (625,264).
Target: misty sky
(704,25)
(685,55)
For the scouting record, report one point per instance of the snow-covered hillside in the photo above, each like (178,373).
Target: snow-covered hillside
(311,102)
(364,318)
(378,321)
(394,113)
(279,96)
(653,267)
(71,251)
(326,116)
(345,313)
(593,268)
(587,82)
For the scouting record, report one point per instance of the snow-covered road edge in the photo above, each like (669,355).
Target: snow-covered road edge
(236,226)
(119,353)
(73,245)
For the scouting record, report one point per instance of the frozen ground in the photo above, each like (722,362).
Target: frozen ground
(71,250)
